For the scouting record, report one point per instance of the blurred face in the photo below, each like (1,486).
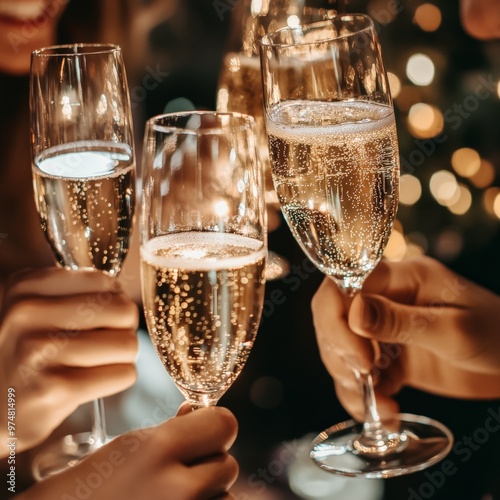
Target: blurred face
(26,25)
(481,18)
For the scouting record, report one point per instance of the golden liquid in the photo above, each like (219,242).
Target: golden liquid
(203,294)
(336,171)
(240,91)
(85,199)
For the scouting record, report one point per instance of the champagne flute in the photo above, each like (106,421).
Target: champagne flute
(335,166)
(84,180)
(203,247)
(240,81)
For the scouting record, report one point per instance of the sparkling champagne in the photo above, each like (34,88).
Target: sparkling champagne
(335,170)
(240,91)
(203,294)
(85,198)
(240,78)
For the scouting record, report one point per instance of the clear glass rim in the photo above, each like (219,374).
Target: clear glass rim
(238,120)
(76,49)
(268,40)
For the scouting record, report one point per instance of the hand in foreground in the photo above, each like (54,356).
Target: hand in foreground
(65,338)
(438,332)
(185,458)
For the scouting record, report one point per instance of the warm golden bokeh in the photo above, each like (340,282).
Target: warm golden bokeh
(420,69)
(466,162)
(463,203)
(484,176)
(410,189)
(425,121)
(427,17)
(394,84)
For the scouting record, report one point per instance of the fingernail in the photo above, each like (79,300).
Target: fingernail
(370,313)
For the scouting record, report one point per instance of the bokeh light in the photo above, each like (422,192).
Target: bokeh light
(293,21)
(256,7)
(489,197)
(496,206)
(444,188)
(410,189)
(420,69)
(425,121)
(466,162)
(394,84)
(234,64)
(463,203)
(449,244)
(427,17)
(484,176)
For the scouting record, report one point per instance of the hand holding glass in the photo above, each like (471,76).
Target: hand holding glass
(334,159)
(84,178)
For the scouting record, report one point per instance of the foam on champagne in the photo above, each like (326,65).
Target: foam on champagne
(76,161)
(202,251)
(311,121)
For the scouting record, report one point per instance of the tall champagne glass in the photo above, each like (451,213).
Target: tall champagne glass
(335,166)
(240,82)
(203,247)
(84,179)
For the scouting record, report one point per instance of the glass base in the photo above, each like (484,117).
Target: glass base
(422,443)
(62,454)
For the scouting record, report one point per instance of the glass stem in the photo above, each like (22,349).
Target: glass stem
(199,400)
(99,434)
(375,439)
(372,423)
(195,406)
